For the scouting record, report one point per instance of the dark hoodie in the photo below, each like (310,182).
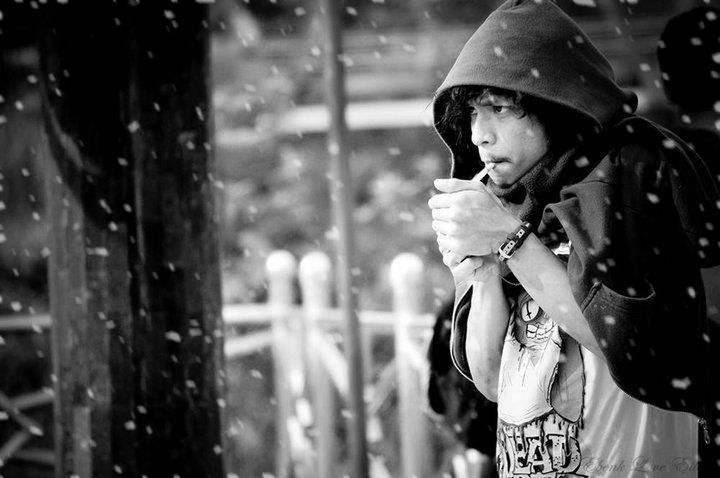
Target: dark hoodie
(639,207)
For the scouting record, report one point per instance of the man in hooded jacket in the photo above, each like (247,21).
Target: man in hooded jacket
(579,302)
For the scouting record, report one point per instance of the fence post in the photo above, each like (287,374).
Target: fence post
(281,268)
(407,283)
(315,276)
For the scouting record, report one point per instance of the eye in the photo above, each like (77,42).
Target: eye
(499,109)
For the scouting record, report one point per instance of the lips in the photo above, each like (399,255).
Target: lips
(496,159)
(499,160)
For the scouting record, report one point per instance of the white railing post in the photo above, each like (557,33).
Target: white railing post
(316,287)
(406,277)
(281,268)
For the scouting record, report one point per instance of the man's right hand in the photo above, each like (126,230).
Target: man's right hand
(468,268)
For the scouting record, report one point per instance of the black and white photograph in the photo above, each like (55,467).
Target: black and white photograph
(359,238)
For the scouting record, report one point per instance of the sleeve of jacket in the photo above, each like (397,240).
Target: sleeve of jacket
(635,275)
(458,331)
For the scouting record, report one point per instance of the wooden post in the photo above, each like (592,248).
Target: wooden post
(134,273)
(342,208)
(281,268)
(407,283)
(315,283)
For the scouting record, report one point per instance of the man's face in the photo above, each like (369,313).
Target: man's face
(513,141)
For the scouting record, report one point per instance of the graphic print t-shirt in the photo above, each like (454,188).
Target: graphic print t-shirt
(560,413)
(539,403)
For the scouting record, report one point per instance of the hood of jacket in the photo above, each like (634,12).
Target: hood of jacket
(533,47)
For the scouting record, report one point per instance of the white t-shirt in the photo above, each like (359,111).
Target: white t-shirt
(640,440)
(561,414)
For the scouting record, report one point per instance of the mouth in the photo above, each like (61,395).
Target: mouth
(496,160)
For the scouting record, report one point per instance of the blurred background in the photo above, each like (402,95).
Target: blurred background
(271,172)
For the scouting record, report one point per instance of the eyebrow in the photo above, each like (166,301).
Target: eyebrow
(490,99)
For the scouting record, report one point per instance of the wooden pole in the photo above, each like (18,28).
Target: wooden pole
(342,202)
(134,274)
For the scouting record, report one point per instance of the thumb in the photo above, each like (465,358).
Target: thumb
(453,185)
(495,198)
(466,267)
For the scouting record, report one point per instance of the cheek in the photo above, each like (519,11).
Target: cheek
(538,147)
(536,143)
(530,133)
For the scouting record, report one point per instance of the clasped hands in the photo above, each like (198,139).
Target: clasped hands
(470,223)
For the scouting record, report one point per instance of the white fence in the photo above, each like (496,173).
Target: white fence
(311,372)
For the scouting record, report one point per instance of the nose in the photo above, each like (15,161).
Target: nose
(481,132)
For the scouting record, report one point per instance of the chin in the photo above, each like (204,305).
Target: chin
(502,183)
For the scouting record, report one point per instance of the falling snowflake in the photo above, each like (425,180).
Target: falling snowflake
(681,383)
(173,336)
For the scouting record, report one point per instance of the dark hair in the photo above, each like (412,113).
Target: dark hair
(690,73)
(563,126)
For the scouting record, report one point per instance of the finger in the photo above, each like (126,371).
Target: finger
(446,242)
(444,227)
(451,259)
(440,201)
(468,266)
(458,198)
(453,185)
(474,261)
(495,198)
(444,214)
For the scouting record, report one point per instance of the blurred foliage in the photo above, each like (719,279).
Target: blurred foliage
(276,185)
